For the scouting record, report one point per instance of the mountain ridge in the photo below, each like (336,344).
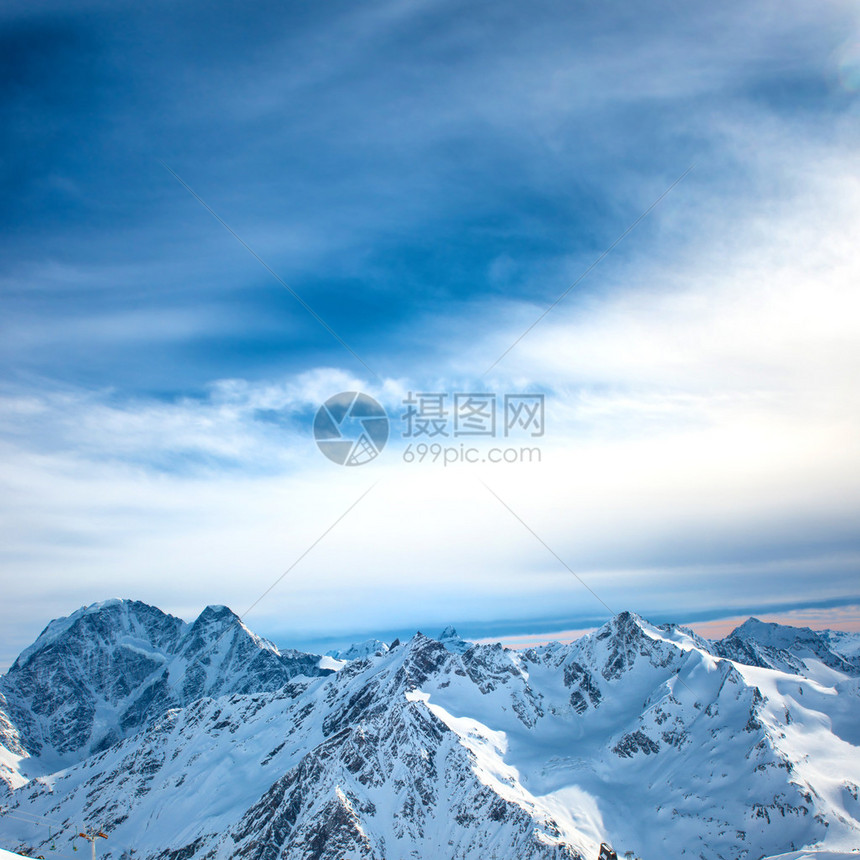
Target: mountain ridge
(645,736)
(101,673)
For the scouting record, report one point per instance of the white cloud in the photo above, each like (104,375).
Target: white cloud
(701,443)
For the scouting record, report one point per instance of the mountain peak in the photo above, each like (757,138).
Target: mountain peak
(771,632)
(451,640)
(215,618)
(123,662)
(752,625)
(624,624)
(359,650)
(105,618)
(459,742)
(781,646)
(217,612)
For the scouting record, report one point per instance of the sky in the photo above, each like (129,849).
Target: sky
(216,216)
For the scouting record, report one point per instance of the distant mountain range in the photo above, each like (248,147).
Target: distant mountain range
(203,741)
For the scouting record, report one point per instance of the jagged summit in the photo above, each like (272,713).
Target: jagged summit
(624,626)
(626,620)
(217,612)
(107,669)
(793,649)
(106,619)
(452,641)
(359,650)
(449,638)
(638,735)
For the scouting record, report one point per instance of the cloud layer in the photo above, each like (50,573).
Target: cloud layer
(430,178)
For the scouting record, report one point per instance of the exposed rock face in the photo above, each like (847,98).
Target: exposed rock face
(638,735)
(790,649)
(107,670)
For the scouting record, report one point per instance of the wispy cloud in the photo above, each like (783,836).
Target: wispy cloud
(429,177)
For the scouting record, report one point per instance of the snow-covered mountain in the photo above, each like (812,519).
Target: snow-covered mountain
(359,650)
(452,641)
(646,737)
(844,644)
(376,647)
(108,669)
(793,649)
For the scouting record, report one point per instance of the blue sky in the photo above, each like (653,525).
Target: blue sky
(429,177)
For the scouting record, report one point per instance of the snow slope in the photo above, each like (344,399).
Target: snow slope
(642,736)
(816,855)
(8,855)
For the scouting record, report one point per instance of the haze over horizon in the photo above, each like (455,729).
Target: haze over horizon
(517,635)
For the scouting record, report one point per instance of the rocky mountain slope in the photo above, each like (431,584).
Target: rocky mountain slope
(101,674)
(647,737)
(792,649)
